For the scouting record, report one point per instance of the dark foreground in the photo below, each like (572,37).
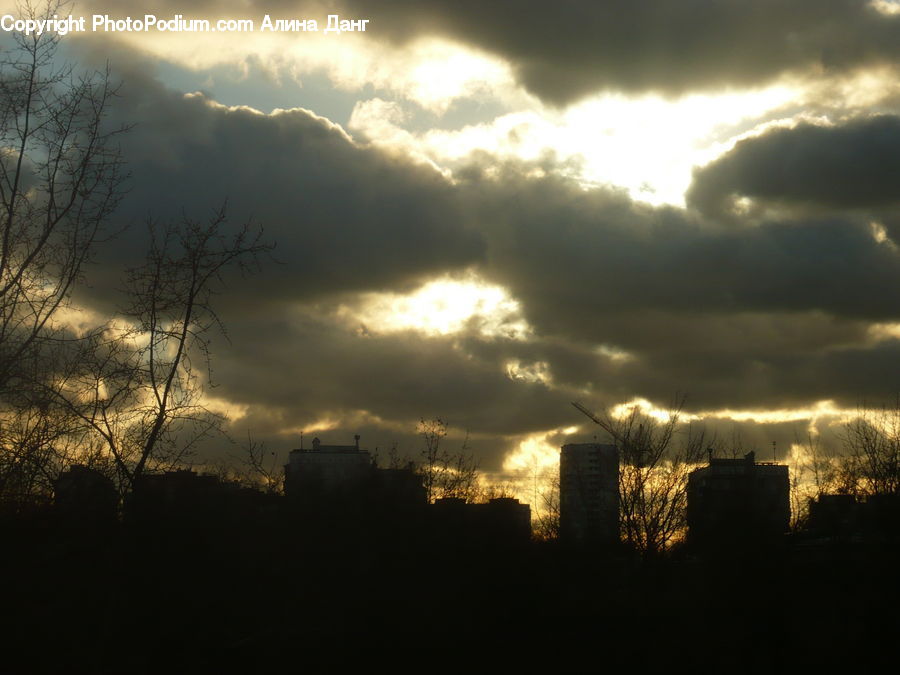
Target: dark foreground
(327,598)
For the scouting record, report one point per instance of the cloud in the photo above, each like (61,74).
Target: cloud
(572,255)
(326,366)
(343,216)
(566,50)
(851,165)
(623,299)
(294,372)
(759,315)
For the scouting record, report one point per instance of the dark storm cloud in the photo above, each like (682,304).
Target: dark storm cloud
(342,216)
(312,364)
(574,256)
(295,373)
(853,165)
(771,367)
(565,50)
(770,379)
(759,316)
(718,360)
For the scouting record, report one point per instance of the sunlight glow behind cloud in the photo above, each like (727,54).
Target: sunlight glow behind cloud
(442,307)
(648,145)
(886,6)
(430,72)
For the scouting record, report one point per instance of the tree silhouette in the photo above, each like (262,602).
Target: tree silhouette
(871,461)
(656,457)
(61,176)
(444,473)
(546,512)
(137,386)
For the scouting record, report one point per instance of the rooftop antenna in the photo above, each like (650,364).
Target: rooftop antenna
(301,440)
(774,453)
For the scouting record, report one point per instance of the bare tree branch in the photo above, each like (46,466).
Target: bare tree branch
(444,473)
(656,458)
(61,176)
(136,385)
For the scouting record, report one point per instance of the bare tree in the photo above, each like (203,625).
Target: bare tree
(444,473)
(505,489)
(815,471)
(871,461)
(262,468)
(656,457)
(137,385)
(36,446)
(61,176)
(545,522)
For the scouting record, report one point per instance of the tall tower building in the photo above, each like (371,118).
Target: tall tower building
(589,494)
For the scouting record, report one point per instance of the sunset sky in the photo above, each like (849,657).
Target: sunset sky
(486,210)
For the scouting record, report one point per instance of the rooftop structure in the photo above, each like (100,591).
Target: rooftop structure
(341,474)
(331,470)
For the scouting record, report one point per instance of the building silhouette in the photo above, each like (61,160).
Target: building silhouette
(184,499)
(846,518)
(505,519)
(835,517)
(86,497)
(737,502)
(328,470)
(501,521)
(589,494)
(340,490)
(344,476)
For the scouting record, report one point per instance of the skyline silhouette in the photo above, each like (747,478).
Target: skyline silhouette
(234,234)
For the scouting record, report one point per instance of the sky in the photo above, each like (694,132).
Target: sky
(484,211)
